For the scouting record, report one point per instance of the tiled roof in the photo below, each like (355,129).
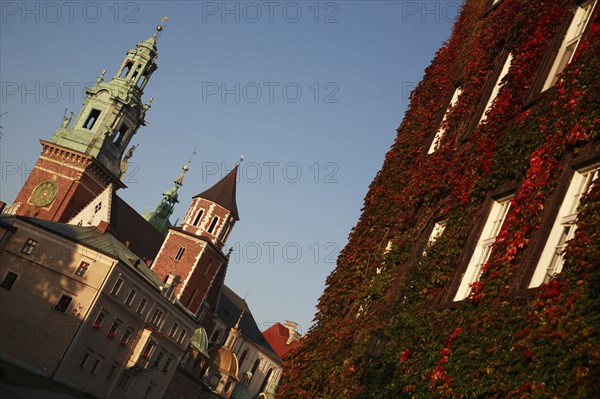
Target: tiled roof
(277,336)
(223,193)
(230,307)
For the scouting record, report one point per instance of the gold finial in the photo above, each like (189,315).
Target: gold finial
(163,20)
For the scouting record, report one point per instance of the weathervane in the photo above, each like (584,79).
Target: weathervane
(162,25)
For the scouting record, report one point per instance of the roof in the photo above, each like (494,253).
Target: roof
(277,336)
(230,307)
(89,236)
(129,226)
(223,193)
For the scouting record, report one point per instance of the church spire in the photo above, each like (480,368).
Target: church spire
(160,217)
(113,110)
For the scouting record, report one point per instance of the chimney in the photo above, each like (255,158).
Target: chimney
(294,335)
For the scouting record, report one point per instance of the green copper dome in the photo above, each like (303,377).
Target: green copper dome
(199,341)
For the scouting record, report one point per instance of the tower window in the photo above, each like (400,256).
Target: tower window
(126,69)
(180,252)
(91,119)
(122,131)
(82,268)
(144,80)
(213,224)
(198,217)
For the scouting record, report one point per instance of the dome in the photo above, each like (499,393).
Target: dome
(224,360)
(199,341)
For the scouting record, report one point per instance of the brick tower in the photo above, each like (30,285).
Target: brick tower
(83,157)
(193,250)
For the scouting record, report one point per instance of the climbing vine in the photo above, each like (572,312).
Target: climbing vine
(542,343)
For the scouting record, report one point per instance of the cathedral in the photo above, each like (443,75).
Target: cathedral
(112,302)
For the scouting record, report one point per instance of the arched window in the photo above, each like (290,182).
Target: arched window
(198,217)
(180,252)
(213,224)
(255,366)
(126,69)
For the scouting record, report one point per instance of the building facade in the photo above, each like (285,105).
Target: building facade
(473,270)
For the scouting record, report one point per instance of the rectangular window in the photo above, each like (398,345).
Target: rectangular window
(85,358)
(112,371)
(496,88)
(148,351)
(91,119)
(442,129)
(156,317)
(113,329)
(29,246)
(436,232)
(158,359)
(180,252)
(9,280)
(483,249)
(117,287)
(167,365)
(96,364)
(551,261)
(82,268)
(130,297)
(173,330)
(142,306)
(570,42)
(124,380)
(181,336)
(63,303)
(126,336)
(99,319)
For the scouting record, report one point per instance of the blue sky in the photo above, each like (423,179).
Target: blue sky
(311,94)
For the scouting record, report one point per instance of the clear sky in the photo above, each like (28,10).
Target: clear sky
(310,92)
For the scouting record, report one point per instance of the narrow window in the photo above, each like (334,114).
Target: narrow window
(148,349)
(215,336)
(436,232)
(242,358)
(29,246)
(496,89)
(84,359)
(180,252)
(442,129)
(484,246)
(570,42)
(173,330)
(167,365)
(126,336)
(124,380)
(111,372)
(149,390)
(198,217)
(126,69)
(122,132)
(63,303)
(113,330)
(181,336)
(117,287)
(213,224)
(99,319)
(96,365)
(9,280)
(552,258)
(82,269)
(192,297)
(142,306)
(91,119)
(158,359)
(156,317)
(224,232)
(130,297)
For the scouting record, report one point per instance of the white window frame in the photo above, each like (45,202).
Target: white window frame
(570,42)
(442,130)
(551,260)
(497,86)
(483,250)
(83,268)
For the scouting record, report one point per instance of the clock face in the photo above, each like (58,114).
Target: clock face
(44,193)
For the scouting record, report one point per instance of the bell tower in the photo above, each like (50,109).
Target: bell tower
(194,250)
(84,155)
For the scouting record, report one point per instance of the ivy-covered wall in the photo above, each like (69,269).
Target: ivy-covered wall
(503,341)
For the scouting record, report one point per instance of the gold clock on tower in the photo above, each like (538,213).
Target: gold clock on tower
(44,193)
